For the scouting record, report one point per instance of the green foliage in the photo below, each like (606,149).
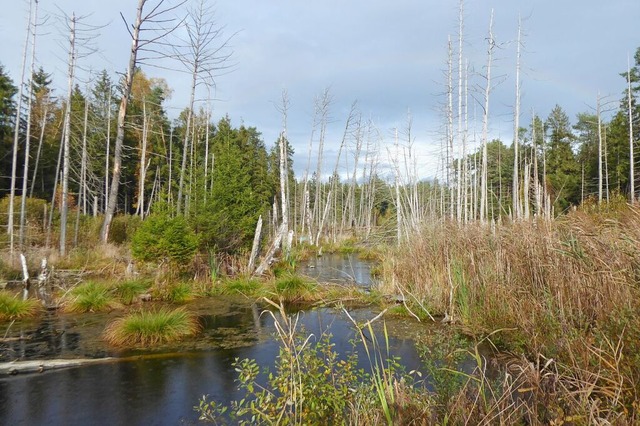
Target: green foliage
(244,286)
(146,328)
(128,291)
(312,384)
(240,190)
(179,292)
(91,297)
(441,357)
(293,287)
(11,307)
(35,211)
(164,239)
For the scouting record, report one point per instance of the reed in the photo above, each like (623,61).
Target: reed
(563,290)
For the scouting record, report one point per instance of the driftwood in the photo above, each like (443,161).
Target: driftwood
(38,366)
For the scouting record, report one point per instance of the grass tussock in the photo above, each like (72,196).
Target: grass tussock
(11,307)
(564,290)
(245,286)
(91,297)
(128,291)
(294,288)
(147,328)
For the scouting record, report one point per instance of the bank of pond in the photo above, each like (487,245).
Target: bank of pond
(110,354)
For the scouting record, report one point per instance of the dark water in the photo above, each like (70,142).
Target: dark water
(338,268)
(161,386)
(162,389)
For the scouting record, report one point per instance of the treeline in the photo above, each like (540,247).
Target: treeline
(109,148)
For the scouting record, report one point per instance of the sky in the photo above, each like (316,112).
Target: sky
(388,57)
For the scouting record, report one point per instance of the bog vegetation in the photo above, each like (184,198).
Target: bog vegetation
(529,243)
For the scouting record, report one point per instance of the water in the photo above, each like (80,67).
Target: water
(338,268)
(161,386)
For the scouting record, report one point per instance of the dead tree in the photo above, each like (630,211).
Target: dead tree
(16,133)
(204,54)
(160,26)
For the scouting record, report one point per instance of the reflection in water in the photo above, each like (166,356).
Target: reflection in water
(338,268)
(163,386)
(163,390)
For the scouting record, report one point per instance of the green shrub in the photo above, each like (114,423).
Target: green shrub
(145,328)
(162,238)
(91,297)
(11,307)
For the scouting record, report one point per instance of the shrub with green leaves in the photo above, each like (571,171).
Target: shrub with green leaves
(162,238)
(123,227)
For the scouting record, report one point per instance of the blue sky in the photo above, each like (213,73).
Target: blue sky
(390,57)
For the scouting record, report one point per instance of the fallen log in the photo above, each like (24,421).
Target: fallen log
(38,366)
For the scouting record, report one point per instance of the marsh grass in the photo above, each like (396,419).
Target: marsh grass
(128,291)
(12,307)
(294,288)
(246,286)
(148,328)
(91,297)
(559,290)
(174,292)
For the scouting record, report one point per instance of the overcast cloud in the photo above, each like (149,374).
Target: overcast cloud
(390,57)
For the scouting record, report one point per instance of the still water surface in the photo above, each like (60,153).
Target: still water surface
(160,387)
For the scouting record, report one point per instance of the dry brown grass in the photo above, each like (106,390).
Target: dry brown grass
(568,289)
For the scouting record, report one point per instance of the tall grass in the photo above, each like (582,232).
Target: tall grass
(128,291)
(147,328)
(294,288)
(91,297)
(564,289)
(12,307)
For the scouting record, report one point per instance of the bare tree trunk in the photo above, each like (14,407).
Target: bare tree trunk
(107,155)
(117,155)
(632,176)
(43,125)
(600,177)
(516,134)
(256,246)
(484,193)
(16,133)
(27,144)
(64,203)
(460,131)
(82,193)
(398,200)
(143,160)
(449,159)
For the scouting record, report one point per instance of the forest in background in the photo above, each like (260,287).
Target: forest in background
(63,150)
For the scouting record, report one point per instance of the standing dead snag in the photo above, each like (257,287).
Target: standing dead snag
(158,21)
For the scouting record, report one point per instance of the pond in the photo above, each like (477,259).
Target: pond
(161,386)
